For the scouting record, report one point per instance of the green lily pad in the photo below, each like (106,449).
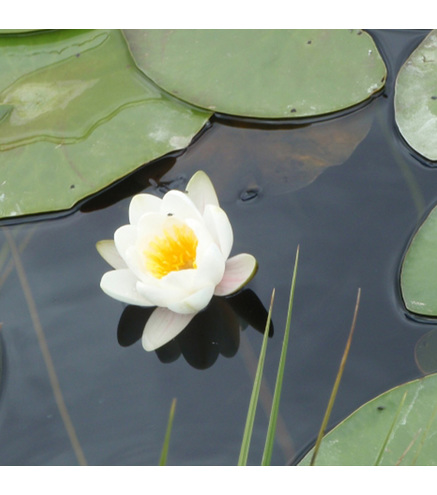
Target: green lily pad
(75,116)
(416,98)
(358,440)
(19,31)
(262,73)
(419,270)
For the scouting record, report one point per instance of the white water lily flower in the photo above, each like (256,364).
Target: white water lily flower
(174,254)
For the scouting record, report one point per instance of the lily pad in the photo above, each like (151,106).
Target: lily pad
(358,440)
(19,31)
(416,98)
(419,270)
(262,73)
(75,116)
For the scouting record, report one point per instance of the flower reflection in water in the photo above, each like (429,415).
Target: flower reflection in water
(213,331)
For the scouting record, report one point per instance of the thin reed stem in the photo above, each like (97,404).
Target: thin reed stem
(336,383)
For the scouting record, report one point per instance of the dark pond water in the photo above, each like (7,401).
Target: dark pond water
(70,393)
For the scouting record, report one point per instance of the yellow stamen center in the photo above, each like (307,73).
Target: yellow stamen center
(173,251)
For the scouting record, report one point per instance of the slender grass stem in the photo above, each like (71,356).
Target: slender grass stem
(424,436)
(164,452)
(271,431)
(410,445)
(336,383)
(245,444)
(387,437)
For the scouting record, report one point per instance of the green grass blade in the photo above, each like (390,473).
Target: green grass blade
(270,438)
(245,444)
(164,452)
(336,384)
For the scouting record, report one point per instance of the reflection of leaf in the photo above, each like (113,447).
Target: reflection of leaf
(75,116)
(262,73)
(357,440)
(416,98)
(419,269)
(281,161)
(425,352)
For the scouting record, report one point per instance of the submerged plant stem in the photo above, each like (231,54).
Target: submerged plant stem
(6,270)
(336,383)
(45,349)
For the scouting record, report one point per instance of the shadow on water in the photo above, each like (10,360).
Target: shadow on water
(346,189)
(214,331)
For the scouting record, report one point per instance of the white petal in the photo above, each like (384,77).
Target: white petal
(220,228)
(124,237)
(179,204)
(109,253)
(200,230)
(201,191)
(210,264)
(162,326)
(143,203)
(194,302)
(239,270)
(150,225)
(135,262)
(161,293)
(182,292)
(121,285)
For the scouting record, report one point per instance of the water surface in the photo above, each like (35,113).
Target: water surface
(71,394)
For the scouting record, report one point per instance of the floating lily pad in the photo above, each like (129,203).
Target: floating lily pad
(75,116)
(416,98)
(262,73)
(19,31)
(419,270)
(358,440)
